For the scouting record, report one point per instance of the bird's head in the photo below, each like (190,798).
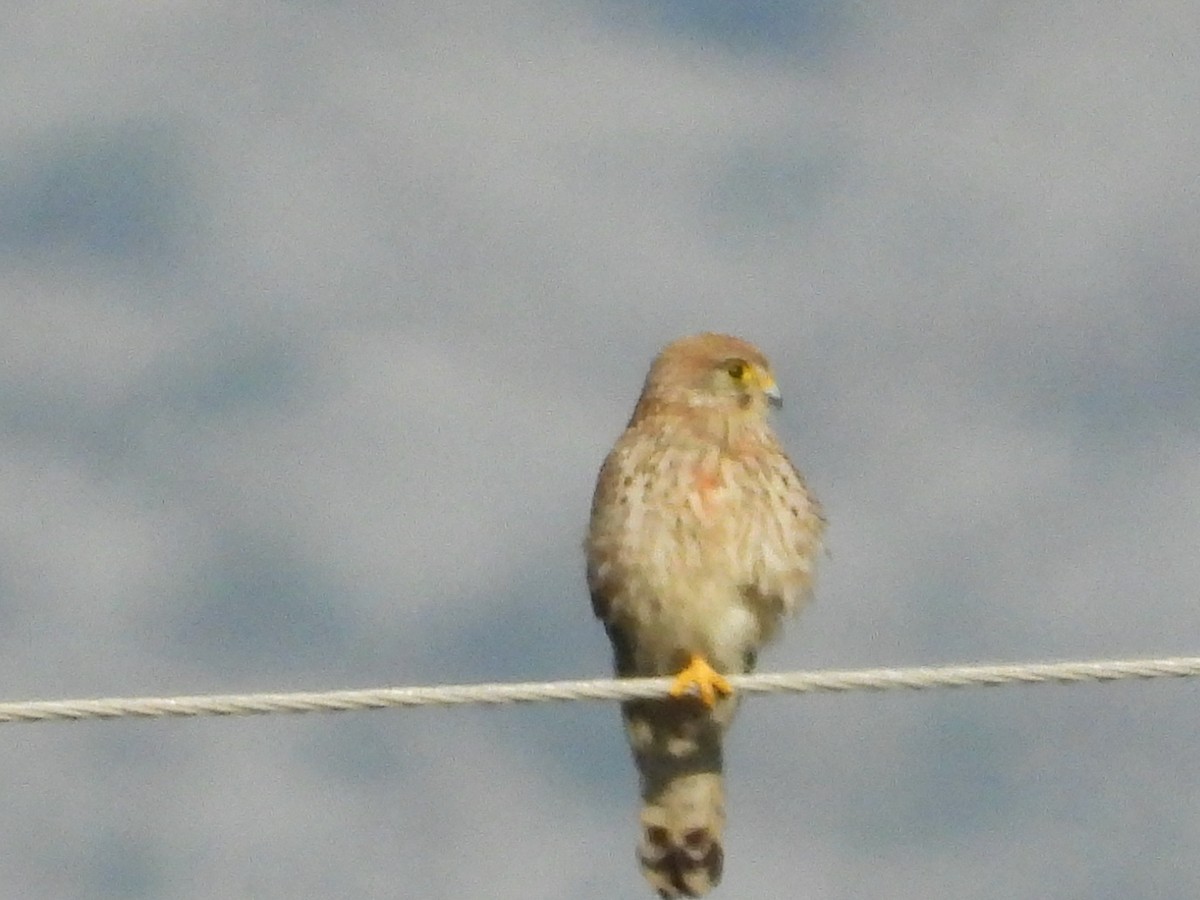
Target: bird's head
(714,372)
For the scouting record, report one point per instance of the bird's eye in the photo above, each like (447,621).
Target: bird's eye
(736,369)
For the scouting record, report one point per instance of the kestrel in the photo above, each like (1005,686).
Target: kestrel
(702,537)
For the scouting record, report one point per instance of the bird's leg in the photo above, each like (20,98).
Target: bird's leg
(706,681)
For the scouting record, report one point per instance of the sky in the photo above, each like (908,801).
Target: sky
(319,319)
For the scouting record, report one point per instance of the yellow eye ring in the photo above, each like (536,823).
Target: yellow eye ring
(736,369)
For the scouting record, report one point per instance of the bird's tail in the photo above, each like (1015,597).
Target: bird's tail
(677,748)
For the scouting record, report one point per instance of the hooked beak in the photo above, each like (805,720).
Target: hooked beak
(771,391)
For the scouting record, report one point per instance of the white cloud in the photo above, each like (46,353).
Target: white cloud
(392,287)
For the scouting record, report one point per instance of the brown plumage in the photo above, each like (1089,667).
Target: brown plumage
(702,537)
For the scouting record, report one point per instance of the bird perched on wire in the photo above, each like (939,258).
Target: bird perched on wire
(702,537)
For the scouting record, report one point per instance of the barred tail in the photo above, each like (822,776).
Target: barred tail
(677,748)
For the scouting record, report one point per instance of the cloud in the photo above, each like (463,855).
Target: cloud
(317,324)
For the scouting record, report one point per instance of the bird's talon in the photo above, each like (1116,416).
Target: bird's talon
(700,679)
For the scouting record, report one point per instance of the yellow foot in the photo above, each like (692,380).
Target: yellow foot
(703,679)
